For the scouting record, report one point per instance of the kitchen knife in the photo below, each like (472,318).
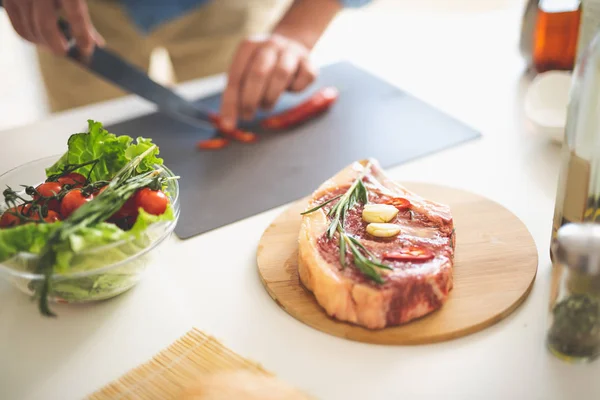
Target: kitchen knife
(113,68)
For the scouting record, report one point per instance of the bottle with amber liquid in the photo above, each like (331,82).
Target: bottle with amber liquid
(578,192)
(550,33)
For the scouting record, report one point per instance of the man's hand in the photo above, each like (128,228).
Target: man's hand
(261,70)
(36,21)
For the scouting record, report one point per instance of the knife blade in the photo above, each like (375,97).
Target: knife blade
(115,69)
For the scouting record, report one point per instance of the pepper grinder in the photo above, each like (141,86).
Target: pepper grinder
(574,324)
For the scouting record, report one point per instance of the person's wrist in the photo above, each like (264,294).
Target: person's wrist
(301,35)
(306,20)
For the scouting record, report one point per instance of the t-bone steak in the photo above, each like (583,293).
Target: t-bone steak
(410,246)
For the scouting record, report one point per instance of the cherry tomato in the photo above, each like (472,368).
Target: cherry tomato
(51,216)
(412,253)
(72,201)
(9,218)
(152,201)
(129,209)
(75,179)
(399,202)
(46,191)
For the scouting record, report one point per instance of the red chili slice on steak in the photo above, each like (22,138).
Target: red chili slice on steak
(409,254)
(399,202)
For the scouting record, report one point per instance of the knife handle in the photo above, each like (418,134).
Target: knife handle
(72,50)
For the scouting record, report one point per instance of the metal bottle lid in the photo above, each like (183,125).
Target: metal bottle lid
(578,247)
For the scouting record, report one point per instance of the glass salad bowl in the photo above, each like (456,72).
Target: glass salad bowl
(95,272)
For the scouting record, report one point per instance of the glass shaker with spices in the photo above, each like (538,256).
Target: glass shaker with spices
(574,329)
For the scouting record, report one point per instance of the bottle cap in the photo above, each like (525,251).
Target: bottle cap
(578,247)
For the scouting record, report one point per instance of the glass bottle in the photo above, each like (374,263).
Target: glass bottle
(590,22)
(578,192)
(549,34)
(574,324)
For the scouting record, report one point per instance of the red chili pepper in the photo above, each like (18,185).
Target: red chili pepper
(412,253)
(236,134)
(241,136)
(399,202)
(212,144)
(316,104)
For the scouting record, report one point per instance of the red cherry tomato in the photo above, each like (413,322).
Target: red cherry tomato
(75,179)
(72,201)
(48,190)
(9,218)
(152,201)
(51,216)
(129,209)
(412,253)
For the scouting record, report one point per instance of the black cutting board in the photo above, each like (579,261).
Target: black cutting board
(370,119)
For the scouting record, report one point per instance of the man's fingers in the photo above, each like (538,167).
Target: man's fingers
(306,75)
(17,18)
(45,23)
(26,14)
(256,78)
(281,77)
(76,13)
(229,105)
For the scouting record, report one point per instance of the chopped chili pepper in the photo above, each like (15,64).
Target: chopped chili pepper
(399,202)
(409,254)
(236,134)
(212,144)
(316,104)
(241,136)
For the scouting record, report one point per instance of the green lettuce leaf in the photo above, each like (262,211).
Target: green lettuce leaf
(152,159)
(78,254)
(112,152)
(29,238)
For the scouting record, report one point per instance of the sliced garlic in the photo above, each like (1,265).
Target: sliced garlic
(379,213)
(383,230)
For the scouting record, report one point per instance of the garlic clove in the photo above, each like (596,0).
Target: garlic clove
(379,213)
(383,229)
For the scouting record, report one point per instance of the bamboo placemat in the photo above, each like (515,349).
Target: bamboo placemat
(165,375)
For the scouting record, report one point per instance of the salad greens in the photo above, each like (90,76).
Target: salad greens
(67,246)
(111,152)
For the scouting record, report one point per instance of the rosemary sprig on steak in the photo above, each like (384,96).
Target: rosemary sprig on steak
(364,260)
(361,254)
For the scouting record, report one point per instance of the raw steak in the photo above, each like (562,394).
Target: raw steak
(412,288)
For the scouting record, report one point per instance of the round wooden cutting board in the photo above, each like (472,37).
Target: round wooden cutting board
(495,265)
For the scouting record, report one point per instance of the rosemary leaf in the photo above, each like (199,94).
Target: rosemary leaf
(342,252)
(320,205)
(362,192)
(333,226)
(374,260)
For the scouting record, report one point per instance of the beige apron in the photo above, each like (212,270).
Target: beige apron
(200,43)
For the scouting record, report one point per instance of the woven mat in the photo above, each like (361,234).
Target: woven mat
(168,372)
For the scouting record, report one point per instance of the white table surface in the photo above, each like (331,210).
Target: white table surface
(463,61)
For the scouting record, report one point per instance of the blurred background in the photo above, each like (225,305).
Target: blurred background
(385,27)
